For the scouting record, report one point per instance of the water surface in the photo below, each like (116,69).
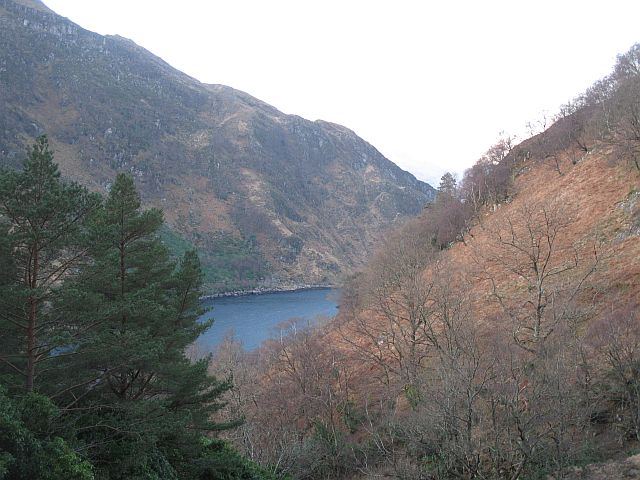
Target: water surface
(254,318)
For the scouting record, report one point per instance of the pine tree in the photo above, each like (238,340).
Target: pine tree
(96,316)
(142,403)
(448,186)
(28,447)
(43,244)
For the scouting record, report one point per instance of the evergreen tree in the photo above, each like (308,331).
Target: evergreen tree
(96,316)
(29,446)
(448,186)
(143,405)
(43,222)
(448,214)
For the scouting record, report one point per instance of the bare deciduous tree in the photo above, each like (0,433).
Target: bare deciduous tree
(617,339)
(398,305)
(624,120)
(540,273)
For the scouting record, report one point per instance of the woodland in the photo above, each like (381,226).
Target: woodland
(494,336)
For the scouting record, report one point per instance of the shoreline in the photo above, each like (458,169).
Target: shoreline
(267,290)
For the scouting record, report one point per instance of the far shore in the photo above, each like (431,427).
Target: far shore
(267,290)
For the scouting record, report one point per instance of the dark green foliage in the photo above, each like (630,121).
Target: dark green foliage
(448,185)
(228,263)
(233,263)
(351,415)
(30,445)
(146,403)
(44,224)
(9,309)
(219,461)
(107,316)
(175,243)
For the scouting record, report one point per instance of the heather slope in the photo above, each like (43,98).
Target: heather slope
(496,335)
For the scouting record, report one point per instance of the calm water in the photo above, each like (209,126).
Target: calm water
(254,318)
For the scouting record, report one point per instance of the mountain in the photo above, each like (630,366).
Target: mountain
(269,199)
(495,335)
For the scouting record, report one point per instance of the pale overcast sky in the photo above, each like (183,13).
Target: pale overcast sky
(430,84)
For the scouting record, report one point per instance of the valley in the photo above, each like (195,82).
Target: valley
(196,285)
(493,336)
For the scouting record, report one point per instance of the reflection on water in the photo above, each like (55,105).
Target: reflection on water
(253,318)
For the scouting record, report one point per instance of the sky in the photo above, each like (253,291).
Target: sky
(431,84)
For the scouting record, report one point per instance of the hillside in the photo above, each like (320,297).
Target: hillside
(495,336)
(269,199)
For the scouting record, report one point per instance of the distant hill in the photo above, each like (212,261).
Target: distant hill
(269,199)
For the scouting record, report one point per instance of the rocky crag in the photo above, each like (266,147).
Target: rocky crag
(268,199)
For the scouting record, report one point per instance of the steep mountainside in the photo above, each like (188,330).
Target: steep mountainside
(496,335)
(268,198)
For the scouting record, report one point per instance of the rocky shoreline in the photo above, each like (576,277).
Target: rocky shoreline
(267,290)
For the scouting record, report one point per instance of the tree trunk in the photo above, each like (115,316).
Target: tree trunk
(31,324)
